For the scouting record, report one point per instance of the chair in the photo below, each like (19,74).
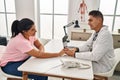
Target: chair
(3,41)
(104,76)
(10,77)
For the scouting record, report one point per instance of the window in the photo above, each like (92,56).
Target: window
(111,12)
(53,16)
(7,16)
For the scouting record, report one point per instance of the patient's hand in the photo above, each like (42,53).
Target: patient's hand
(62,52)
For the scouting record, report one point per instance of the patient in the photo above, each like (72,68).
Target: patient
(99,47)
(21,46)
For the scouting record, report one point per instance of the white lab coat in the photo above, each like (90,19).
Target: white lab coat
(102,54)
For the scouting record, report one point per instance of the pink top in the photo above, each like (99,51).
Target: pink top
(16,49)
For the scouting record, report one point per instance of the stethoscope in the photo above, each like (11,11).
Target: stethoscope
(94,39)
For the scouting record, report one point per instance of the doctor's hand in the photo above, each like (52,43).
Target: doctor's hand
(70,52)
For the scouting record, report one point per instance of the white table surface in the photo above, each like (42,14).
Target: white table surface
(53,66)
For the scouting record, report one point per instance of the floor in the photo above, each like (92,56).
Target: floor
(116,76)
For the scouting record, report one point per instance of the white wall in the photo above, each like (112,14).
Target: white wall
(74,15)
(28,9)
(74,6)
(25,9)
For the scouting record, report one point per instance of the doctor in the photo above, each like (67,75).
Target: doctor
(99,47)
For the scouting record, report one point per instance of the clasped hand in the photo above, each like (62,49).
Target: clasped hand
(70,51)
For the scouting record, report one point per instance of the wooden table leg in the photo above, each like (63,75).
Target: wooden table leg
(25,76)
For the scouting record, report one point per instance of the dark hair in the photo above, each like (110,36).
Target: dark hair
(96,13)
(19,26)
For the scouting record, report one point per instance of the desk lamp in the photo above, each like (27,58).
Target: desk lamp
(76,24)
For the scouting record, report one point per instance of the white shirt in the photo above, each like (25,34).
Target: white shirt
(102,54)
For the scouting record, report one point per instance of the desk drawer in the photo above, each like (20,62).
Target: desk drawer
(80,36)
(116,41)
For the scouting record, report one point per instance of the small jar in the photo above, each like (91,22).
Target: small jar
(84,30)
